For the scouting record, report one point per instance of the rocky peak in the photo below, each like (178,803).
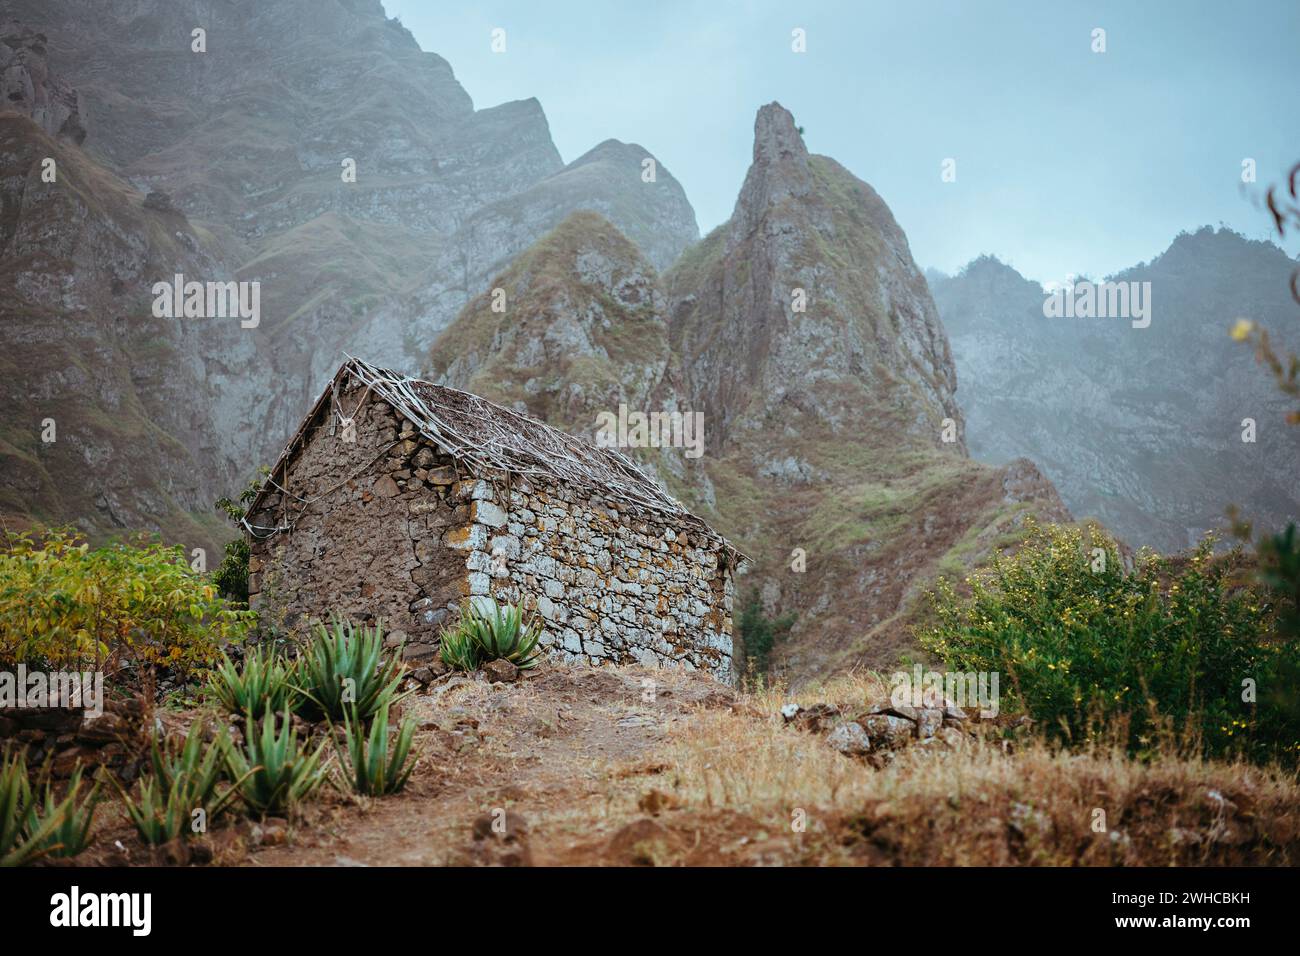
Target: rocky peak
(28,87)
(779,171)
(811,310)
(612,150)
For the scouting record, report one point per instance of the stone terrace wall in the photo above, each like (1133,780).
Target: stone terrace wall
(400,533)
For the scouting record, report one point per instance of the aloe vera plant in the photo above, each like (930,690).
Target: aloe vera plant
(274,774)
(488,631)
(75,817)
(198,766)
(457,647)
(373,769)
(23,837)
(343,669)
(184,780)
(264,677)
(161,814)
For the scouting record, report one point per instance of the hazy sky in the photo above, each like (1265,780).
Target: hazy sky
(1066,160)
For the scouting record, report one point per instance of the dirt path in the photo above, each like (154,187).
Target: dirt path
(562,762)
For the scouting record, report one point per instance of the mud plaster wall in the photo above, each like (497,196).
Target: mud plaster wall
(396,531)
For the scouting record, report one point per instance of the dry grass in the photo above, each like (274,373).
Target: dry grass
(983,804)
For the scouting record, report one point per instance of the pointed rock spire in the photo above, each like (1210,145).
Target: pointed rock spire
(778,173)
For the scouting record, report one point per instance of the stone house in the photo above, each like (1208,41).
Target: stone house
(398,499)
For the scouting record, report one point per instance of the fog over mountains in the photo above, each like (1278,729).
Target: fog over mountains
(826,423)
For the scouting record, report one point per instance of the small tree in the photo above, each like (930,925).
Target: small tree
(231,576)
(760,633)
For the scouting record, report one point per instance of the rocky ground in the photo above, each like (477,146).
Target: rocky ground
(629,766)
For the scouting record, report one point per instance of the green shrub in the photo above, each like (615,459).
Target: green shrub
(273,774)
(63,605)
(760,633)
(231,575)
(343,669)
(264,678)
(1081,644)
(487,631)
(372,769)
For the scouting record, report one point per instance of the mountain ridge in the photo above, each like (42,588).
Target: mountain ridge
(1110,419)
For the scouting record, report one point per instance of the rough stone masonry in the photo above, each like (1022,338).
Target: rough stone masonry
(368,515)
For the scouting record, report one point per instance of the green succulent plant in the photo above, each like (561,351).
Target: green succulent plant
(373,769)
(488,631)
(183,779)
(343,669)
(273,774)
(457,647)
(24,833)
(75,817)
(193,763)
(264,677)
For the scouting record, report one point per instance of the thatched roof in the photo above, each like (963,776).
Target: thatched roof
(490,438)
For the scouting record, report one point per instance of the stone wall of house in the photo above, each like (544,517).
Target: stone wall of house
(613,583)
(371,542)
(396,531)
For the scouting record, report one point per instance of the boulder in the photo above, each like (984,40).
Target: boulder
(850,739)
(501,672)
(889,730)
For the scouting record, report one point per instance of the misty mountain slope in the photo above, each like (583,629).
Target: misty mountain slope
(1140,428)
(822,429)
(134,406)
(606,180)
(253,130)
(246,143)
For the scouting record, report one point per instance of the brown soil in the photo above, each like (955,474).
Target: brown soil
(568,758)
(611,766)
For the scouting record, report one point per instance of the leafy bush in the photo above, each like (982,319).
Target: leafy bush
(372,769)
(272,774)
(62,604)
(1080,643)
(231,576)
(264,678)
(487,631)
(184,779)
(29,831)
(343,670)
(759,633)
